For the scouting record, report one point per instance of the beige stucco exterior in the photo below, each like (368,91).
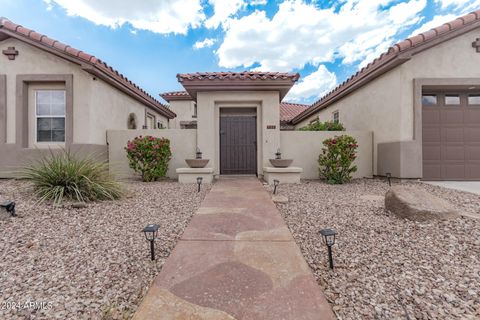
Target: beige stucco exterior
(389,105)
(185,111)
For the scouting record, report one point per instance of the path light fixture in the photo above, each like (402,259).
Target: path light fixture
(199,182)
(10,207)
(389,178)
(151,233)
(278,154)
(275,185)
(329,240)
(198,154)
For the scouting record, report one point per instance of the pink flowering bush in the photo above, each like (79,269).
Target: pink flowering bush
(336,160)
(149,156)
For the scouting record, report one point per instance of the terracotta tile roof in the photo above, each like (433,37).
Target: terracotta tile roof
(88,62)
(175,95)
(251,75)
(288,110)
(396,55)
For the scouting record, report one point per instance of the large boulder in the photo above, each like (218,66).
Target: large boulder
(418,205)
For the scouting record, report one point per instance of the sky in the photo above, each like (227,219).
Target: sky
(150,41)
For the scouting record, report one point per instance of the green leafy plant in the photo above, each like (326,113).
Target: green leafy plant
(62,175)
(149,156)
(323,126)
(336,160)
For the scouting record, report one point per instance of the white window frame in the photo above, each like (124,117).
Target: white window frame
(51,116)
(153,122)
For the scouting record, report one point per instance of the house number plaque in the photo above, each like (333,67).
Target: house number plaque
(271,126)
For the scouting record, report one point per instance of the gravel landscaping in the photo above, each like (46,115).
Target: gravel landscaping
(386,267)
(88,263)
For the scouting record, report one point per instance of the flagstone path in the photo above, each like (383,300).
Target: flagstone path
(235,260)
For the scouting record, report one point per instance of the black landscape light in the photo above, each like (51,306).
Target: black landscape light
(198,154)
(275,185)
(151,233)
(389,178)
(199,182)
(278,154)
(10,207)
(329,240)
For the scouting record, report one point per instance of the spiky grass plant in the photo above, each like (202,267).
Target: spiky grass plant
(62,175)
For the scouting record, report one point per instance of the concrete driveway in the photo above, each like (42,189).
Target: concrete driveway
(467,186)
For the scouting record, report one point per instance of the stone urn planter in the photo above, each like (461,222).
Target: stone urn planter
(197,163)
(281,163)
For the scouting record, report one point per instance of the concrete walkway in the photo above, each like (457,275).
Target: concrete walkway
(467,186)
(235,260)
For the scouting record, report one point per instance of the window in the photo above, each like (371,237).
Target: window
(336,117)
(150,122)
(429,100)
(194,110)
(452,99)
(50,115)
(159,125)
(474,99)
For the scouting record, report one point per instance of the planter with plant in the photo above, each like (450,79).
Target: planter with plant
(336,160)
(149,156)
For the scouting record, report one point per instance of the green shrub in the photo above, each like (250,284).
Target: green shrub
(335,161)
(149,156)
(323,126)
(61,175)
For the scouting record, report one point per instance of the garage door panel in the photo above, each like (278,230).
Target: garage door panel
(472,153)
(453,153)
(432,171)
(431,115)
(453,171)
(472,171)
(472,115)
(452,134)
(472,134)
(451,116)
(432,134)
(432,152)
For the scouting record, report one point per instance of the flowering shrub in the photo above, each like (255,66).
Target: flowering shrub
(323,126)
(149,156)
(336,159)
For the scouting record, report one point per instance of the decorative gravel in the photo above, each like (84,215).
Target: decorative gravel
(90,263)
(386,267)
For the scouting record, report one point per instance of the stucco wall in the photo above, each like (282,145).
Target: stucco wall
(182,144)
(268,113)
(304,147)
(184,110)
(97,106)
(385,105)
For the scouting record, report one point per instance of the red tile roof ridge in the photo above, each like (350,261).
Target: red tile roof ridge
(252,75)
(45,41)
(392,53)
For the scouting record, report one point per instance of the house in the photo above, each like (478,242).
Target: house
(421,99)
(185,108)
(52,95)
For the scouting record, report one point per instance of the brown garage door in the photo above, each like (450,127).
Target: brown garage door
(451,136)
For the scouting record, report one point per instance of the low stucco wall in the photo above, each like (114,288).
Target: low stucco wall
(305,147)
(182,145)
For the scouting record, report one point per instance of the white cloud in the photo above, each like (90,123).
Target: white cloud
(460,4)
(435,22)
(170,16)
(301,33)
(223,10)
(314,85)
(204,44)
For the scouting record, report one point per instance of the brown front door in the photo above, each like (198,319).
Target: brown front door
(451,136)
(238,144)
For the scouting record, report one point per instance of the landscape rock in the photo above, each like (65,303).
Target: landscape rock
(279,199)
(418,205)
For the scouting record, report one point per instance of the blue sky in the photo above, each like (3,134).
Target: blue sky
(150,41)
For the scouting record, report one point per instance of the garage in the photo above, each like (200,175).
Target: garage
(451,135)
